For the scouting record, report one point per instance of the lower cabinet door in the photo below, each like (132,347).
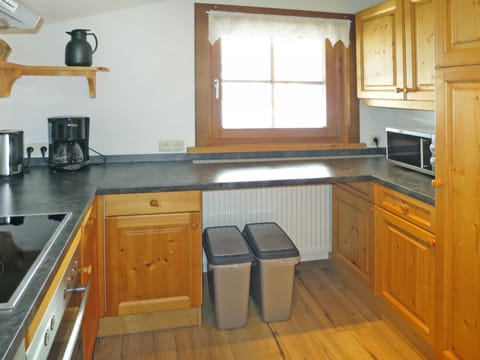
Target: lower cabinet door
(153,263)
(353,234)
(406,279)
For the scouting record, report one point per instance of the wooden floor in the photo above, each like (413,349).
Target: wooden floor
(328,322)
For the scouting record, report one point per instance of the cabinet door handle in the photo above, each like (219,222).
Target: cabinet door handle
(154,203)
(404,90)
(436,183)
(194,225)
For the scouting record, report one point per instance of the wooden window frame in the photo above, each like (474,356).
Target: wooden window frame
(342,103)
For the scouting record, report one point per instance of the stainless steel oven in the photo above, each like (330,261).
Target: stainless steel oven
(58,335)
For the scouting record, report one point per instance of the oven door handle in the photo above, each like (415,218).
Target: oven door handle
(78,321)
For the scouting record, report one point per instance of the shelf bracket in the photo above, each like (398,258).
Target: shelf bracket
(8,76)
(92,83)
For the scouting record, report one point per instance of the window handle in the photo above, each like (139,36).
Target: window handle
(216,85)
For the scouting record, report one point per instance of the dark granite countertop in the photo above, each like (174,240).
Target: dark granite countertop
(43,191)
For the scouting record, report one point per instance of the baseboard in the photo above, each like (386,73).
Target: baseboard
(136,323)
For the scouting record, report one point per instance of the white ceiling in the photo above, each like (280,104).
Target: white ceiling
(60,10)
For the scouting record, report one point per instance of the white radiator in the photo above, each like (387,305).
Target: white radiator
(304,212)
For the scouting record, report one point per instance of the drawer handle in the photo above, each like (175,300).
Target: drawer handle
(404,207)
(154,203)
(87,270)
(429,242)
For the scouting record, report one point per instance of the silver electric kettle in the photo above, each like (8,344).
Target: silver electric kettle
(11,152)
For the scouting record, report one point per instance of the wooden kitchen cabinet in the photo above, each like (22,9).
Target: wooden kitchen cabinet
(457,32)
(395,54)
(419,51)
(353,230)
(151,264)
(405,262)
(457,202)
(154,258)
(379,52)
(90,273)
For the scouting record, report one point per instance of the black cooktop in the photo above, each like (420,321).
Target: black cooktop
(24,240)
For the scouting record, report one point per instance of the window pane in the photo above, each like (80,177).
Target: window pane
(299,60)
(300,106)
(245,58)
(246,106)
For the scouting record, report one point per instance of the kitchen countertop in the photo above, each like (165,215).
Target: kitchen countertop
(43,191)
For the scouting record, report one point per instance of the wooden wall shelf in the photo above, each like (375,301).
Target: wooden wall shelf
(10,72)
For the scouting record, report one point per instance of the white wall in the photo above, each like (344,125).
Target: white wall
(373,121)
(149,93)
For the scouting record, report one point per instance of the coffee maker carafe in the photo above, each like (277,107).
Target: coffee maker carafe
(68,142)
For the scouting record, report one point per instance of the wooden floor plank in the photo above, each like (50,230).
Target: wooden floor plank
(368,338)
(354,348)
(307,334)
(255,341)
(139,346)
(393,341)
(328,321)
(204,342)
(165,345)
(108,348)
(336,307)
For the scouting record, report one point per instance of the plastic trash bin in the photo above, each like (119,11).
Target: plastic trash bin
(229,263)
(273,269)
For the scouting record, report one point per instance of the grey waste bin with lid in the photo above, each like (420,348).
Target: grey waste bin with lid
(273,269)
(229,263)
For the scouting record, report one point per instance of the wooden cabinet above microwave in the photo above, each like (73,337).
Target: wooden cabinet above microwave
(395,54)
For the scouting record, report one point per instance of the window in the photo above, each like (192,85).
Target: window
(263,90)
(271,83)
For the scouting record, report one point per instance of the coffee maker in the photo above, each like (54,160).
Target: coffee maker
(68,142)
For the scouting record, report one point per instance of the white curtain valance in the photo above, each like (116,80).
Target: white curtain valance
(222,23)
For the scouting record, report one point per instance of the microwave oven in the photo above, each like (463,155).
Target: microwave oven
(413,149)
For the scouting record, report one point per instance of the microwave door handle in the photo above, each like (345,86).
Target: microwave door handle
(78,322)
(421,153)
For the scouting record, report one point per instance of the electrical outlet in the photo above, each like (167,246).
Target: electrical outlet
(170,145)
(36,149)
(375,140)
